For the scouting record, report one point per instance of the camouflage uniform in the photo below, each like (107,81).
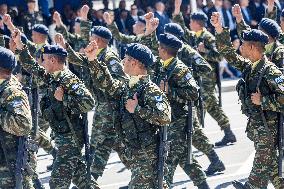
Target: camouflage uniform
(104,137)
(182,88)
(137,131)
(64,119)
(16,122)
(264,136)
(275,53)
(199,67)
(208,81)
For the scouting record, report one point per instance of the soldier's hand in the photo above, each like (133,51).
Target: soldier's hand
(237,13)
(256,98)
(152,26)
(58,94)
(177,6)
(91,51)
(59,40)
(131,104)
(8,21)
(164,86)
(270,5)
(108,18)
(148,17)
(16,36)
(84,12)
(216,22)
(201,47)
(57,18)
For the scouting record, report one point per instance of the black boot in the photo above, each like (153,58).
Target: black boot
(204,185)
(228,138)
(216,164)
(239,185)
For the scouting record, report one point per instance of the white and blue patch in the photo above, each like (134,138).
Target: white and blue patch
(279,79)
(17,103)
(75,86)
(188,76)
(159,98)
(114,68)
(113,62)
(160,106)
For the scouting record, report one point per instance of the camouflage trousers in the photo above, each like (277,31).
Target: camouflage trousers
(178,154)
(211,104)
(144,168)
(8,156)
(199,140)
(104,139)
(265,165)
(68,166)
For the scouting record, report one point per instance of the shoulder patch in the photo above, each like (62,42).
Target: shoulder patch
(159,98)
(188,76)
(279,79)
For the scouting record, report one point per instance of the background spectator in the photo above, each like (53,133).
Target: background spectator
(163,18)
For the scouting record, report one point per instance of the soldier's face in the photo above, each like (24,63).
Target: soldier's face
(31,6)
(246,49)
(162,52)
(48,63)
(128,65)
(35,37)
(194,25)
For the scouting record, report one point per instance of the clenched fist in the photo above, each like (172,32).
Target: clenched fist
(216,22)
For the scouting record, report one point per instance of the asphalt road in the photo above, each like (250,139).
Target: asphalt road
(238,158)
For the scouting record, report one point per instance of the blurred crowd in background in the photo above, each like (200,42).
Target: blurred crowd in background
(26,13)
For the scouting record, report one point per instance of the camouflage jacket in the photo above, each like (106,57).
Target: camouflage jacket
(139,129)
(182,87)
(76,99)
(109,57)
(211,55)
(190,57)
(271,85)
(15,113)
(275,54)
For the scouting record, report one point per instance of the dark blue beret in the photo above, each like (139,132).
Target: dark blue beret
(270,27)
(141,53)
(199,16)
(101,32)
(256,36)
(141,19)
(54,49)
(174,29)
(7,59)
(170,41)
(40,28)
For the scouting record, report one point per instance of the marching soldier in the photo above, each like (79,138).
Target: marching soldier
(204,41)
(143,108)
(65,100)
(16,124)
(261,92)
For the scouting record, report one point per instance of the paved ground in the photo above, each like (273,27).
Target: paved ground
(237,158)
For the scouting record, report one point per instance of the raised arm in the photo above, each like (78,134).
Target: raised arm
(225,46)
(241,25)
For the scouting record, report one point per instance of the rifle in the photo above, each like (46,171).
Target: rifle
(218,82)
(20,162)
(163,150)
(87,147)
(280,145)
(200,101)
(189,132)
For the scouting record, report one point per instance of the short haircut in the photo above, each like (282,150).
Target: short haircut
(60,59)
(171,51)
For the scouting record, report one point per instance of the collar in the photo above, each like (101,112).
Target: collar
(269,48)
(100,51)
(167,62)
(255,64)
(39,46)
(56,74)
(134,80)
(160,13)
(199,33)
